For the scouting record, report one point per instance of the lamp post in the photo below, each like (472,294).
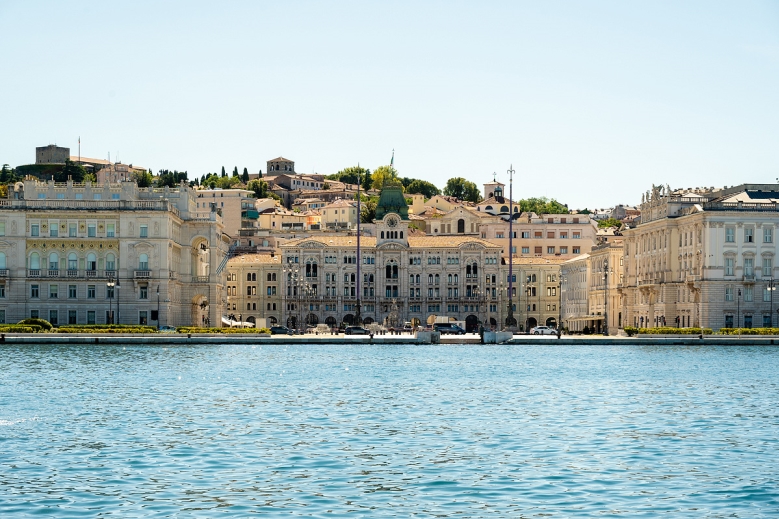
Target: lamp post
(293,279)
(606,300)
(510,320)
(158,308)
(738,310)
(771,287)
(110,286)
(118,286)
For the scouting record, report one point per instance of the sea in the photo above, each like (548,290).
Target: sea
(460,431)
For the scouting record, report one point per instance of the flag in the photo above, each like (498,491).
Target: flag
(392,160)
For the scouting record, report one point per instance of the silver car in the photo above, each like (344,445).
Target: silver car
(543,330)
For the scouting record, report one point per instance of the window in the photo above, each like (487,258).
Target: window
(90,291)
(768,234)
(143,317)
(550,235)
(538,250)
(34,314)
(110,262)
(2,291)
(525,234)
(110,230)
(2,228)
(550,250)
(143,293)
(114,196)
(71,292)
(41,196)
(749,235)
(728,293)
(563,235)
(730,235)
(34,229)
(728,321)
(576,250)
(90,317)
(748,293)
(143,262)
(54,261)
(766,294)
(109,292)
(749,267)
(34,291)
(97,196)
(72,230)
(525,250)
(53,291)
(144,231)
(54,230)
(91,261)
(3,262)
(72,316)
(577,235)
(729,266)
(53,317)
(91,230)
(2,316)
(767,267)
(563,250)
(72,261)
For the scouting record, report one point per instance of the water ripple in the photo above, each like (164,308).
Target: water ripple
(440,431)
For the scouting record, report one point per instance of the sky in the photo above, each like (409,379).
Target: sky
(590,102)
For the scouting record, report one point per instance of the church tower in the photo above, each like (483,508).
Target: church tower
(392,215)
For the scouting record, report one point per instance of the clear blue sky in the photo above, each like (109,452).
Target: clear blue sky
(592,102)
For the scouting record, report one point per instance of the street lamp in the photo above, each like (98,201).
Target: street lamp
(110,287)
(606,300)
(158,308)
(771,287)
(738,310)
(118,315)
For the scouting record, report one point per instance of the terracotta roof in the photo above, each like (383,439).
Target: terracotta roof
(280,158)
(425,241)
(75,158)
(244,259)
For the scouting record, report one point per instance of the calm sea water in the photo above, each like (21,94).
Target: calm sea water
(389,431)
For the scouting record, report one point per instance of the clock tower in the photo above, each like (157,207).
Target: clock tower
(392,215)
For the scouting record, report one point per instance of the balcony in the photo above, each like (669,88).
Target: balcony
(749,278)
(71,273)
(53,273)
(250,214)
(200,279)
(33,273)
(91,273)
(110,274)
(142,274)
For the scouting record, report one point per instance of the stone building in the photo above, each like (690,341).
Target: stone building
(605,276)
(402,277)
(702,257)
(574,293)
(537,283)
(279,166)
(253,288)
(97,253)
(51,154)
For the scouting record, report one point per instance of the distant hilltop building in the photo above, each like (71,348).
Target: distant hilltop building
(51,154)
(280,166)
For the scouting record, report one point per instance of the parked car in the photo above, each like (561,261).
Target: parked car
(449,328)
(280,330)
(356,330)
(167,329)
(543,330)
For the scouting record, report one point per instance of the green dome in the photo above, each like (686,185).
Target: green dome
(392,200)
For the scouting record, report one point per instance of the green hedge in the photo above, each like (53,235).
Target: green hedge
(43,323)
(669,330)
(130,327)
(18,328)
(99,329)
(748,331)
(197,329)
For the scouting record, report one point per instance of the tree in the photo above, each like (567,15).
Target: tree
(7,175)
(382,175)
(71,169)
(610,222)
(463,189)
(223,172)
(245,177)
(423,187)
(235,171)
(260,188)
(349,175)
(170,178)
(143,178)
(368,206)
(542,205)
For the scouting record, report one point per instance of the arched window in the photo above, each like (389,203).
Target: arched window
(92,261)
(429,279)
(143,262)
(382,235)
(3,264)
(449,278)
(504,209)
(72,261)
(460,226)
(268,280)
(456,278)
(110,262)
(54,261)
(35,261)
(417,278)
(488,208)
(401,235)
(437,279)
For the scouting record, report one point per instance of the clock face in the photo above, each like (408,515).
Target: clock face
(392,221)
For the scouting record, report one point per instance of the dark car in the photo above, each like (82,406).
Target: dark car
(449,328)
(280,330)
(356,330)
